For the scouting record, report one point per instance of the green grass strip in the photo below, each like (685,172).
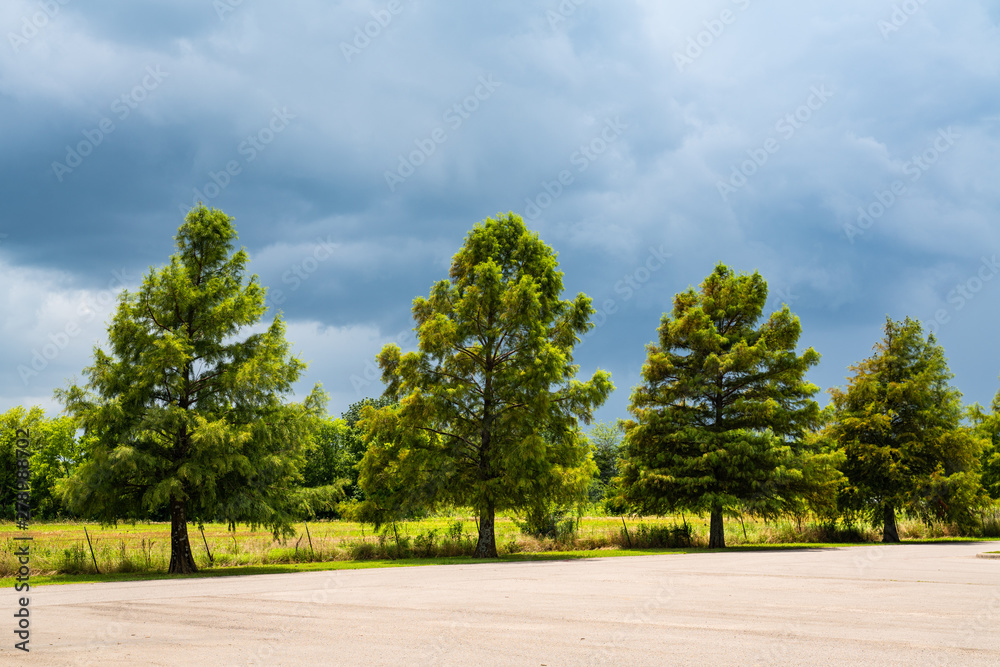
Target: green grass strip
(286,568)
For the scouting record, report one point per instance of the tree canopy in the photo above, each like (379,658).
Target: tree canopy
(722,415)
(899,423)
(187,409)
(488,405)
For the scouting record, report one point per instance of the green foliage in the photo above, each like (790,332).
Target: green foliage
(722,416)
(397,484)
(990,526)
(987,427)
(424,544)
(488,407)
(555,522)
(353,415)
(54,452)
(455,531)
(899,424)
(330,476)
(606,448)
(312,502)
(659,537)
(327,471)
(818,459)
(184,412)
(330,458)
(356,440)
(75,560)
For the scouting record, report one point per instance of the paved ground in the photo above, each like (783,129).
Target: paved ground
(892,605)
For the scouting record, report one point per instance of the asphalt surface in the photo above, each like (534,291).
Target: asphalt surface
(934,604)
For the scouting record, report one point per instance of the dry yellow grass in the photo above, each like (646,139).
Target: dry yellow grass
(61,548)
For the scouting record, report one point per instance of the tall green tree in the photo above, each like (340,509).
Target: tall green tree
(899,423)
(186,409)
(723,411)
(488,407)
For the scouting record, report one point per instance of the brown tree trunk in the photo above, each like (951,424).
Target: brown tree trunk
(889,532)
(181,558)
(716,532)
(486,546)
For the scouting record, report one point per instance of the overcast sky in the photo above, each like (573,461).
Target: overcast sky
(848,150)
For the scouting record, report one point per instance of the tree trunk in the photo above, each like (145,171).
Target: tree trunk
(486,546)
(889,532)
(181,558)
(716,533)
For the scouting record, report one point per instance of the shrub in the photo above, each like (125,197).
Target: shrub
(455,531)
(424,544)
(75,560)
(554,523)
(658,537)
(991,524)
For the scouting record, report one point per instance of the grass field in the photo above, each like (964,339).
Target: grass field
(60,552)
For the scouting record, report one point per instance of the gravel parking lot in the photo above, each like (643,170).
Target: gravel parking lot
(882,605)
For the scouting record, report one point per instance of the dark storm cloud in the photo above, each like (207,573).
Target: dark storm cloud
(357,142)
